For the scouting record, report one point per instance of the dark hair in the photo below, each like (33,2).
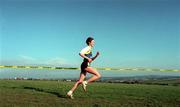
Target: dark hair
(89,39)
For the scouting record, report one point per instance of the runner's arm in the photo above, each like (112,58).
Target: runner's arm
(97,54)
(83,56)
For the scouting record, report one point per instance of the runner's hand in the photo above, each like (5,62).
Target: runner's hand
(97,53)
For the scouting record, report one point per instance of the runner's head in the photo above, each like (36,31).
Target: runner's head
(90,41)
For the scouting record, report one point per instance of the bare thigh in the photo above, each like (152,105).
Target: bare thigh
(92,71)
(82,76)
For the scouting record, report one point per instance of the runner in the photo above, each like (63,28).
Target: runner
(86,53)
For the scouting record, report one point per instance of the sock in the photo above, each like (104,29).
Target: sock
(86,82)
(70,92)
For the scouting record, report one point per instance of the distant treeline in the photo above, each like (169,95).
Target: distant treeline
(74,68)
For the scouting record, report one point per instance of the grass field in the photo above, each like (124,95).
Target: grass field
(31,93)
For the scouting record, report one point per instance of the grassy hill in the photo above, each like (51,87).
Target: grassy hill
(36,93)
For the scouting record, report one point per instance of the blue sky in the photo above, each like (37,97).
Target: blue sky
(128,33)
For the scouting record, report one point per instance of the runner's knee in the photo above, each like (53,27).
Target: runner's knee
(98,75)
(79,81)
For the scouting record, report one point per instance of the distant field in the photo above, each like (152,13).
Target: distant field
(172,82)
(31,93)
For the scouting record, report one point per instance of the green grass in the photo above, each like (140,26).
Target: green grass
(31,93)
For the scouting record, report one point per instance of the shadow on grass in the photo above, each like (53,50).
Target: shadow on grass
(36,89)
(46,91)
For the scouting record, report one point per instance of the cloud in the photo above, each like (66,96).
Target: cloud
(27,58)
(31,61)
(57,61)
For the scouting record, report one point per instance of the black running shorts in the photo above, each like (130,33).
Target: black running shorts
(84,65)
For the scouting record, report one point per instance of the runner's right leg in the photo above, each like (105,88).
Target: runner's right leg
(96,76)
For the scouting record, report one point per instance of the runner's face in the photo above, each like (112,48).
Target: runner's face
(92,43)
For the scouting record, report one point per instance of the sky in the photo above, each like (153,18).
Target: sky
(127,33)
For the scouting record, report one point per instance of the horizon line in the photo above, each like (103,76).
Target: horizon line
(104,68)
